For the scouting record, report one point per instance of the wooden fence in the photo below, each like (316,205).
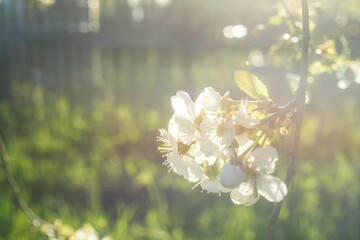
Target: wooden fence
(73,46)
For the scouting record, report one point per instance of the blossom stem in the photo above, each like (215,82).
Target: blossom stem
(264,140)
(253,145)
(282,110)
(247,101)
(237,103)
(35,219)
(300,102)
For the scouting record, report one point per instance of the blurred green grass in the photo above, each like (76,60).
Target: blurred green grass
(101,165)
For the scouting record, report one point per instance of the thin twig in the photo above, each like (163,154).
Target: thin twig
(280,112)
(300,102)
(35,219)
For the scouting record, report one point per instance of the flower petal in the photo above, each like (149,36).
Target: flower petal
(229,133)
(186,129)
(244,119)
(178,164)
(264,159)
(246,188)
(213,186)
(209,100)
(200,157)
(271,188)
(244,143)
(238,198)
(169,139)
(194,170)
(208,125)
(207,144)
(182,104)
(173,127)
(231,176)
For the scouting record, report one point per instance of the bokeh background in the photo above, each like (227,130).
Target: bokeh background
(86,84)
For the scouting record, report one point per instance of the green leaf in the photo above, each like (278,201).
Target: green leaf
(251,85)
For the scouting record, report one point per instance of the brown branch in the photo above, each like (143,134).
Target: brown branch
(280,112)
(300,102)
(35,219)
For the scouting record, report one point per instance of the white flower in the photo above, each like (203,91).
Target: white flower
(206,148)
(244,194)
(199,146)
(243,119)
(107,238)
(185,128)
(207,144)
(208,125)
(263,160)
(182,164)
(173,128)
(189,120)
(211,147)
(183,105)
(261,163)
(244,143)
(232,175)
(271,188)
(213,185)
(194,171)
(226,132)
(184,116)
(209,100)
(87,233)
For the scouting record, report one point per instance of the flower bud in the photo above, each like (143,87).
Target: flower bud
(231,176)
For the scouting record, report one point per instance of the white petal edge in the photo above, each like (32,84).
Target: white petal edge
(244,143)
(169,138)
(173,127)
(244,119)
(247,188)
(186,128)
(213,186)
(183,104)
(271,188)
(194,170)
(231,176)
(178,165)
(238,198)
(264,159)
(209,100)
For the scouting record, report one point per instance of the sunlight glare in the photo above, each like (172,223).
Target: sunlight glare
(228,32)
(239,31)
(256,58)
(162,3)
(343,84)
(133,3)
(286,36)
(138,14)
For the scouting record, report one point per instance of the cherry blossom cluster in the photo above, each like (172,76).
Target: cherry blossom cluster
(217,143)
